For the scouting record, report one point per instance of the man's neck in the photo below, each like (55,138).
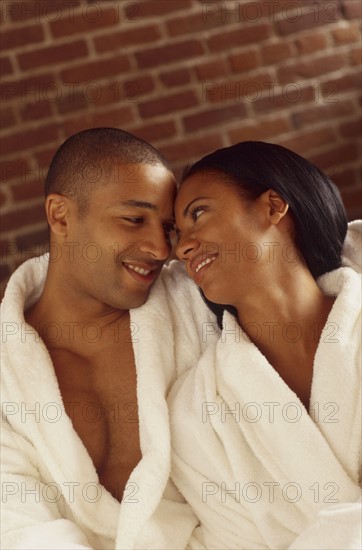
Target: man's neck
(82,326)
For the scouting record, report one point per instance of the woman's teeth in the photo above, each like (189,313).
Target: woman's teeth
(139,270)
(207,261)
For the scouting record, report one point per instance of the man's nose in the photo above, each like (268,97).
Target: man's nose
(157,243)
(185,246)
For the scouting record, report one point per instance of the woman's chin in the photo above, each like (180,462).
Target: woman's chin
(215,296)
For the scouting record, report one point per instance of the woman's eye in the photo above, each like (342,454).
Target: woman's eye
(196,212)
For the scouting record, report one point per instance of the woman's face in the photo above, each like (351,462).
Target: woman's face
(221,236)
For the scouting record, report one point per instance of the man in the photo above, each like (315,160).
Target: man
(84,379)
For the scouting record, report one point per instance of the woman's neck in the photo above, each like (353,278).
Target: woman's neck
(292,302)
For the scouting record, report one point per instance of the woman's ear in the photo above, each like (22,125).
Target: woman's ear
(57,208)
(277,206)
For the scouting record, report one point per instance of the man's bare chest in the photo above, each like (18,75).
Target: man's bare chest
(100,397)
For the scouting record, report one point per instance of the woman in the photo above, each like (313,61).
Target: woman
(266,427)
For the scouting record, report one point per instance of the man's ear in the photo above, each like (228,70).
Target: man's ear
(58,208)
(276,205)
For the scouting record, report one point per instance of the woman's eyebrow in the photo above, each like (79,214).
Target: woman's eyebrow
(184,213)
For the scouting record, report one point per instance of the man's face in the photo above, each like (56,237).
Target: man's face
(123,240)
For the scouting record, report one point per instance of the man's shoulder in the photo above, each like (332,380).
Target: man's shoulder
(23,289)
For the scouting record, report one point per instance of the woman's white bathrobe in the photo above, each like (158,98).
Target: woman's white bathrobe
(51,496)
(257,469)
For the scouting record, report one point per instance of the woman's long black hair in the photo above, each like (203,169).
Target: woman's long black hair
(315,203)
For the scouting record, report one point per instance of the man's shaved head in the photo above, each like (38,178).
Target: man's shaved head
(86,159)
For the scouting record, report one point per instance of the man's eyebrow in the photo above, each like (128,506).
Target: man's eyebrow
(134,203)
(184,213)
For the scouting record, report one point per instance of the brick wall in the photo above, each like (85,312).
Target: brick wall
(187,75)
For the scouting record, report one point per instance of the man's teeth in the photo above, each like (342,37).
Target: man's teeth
(139,270)
(207,261)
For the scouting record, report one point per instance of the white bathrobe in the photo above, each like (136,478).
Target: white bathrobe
(257,469)
(51,496)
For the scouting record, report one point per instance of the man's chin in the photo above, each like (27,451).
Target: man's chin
(139,300)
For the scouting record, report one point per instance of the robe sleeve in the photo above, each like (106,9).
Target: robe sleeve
(31,519)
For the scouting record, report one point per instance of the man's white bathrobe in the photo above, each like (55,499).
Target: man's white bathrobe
(51,496)
(257,469)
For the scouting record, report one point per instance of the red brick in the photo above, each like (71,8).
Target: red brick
(246,89)
(7,117)
(352,201)
(118,92)
(356,56)
(214,117)
(22,217)
(103,93)
(119,117)
(89,20)
(96,69)
(212,69)
(136,11)
(136,87)
(192,148)
(232,39)
(171,53)
(260,130)
(155,132)
(318,15)
(195,23)
(28,190)
(315,67)
(179,77)
(20,37)
(29,138)
(345,35)
(72,102)
(5,66)
(44,157)
(331,88)
(322,113)
(290,97)
(303,143)
(331,160)
(33,244)
(352,9)
(351,129)
(113,41)
(13,169)
(244,61)
(40,109)
(3,198)
(27,10)
(28,89)
(311,43)
(168,104)
(4,275)
(346,178)
(253,11)
(54,54)
(272,53)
